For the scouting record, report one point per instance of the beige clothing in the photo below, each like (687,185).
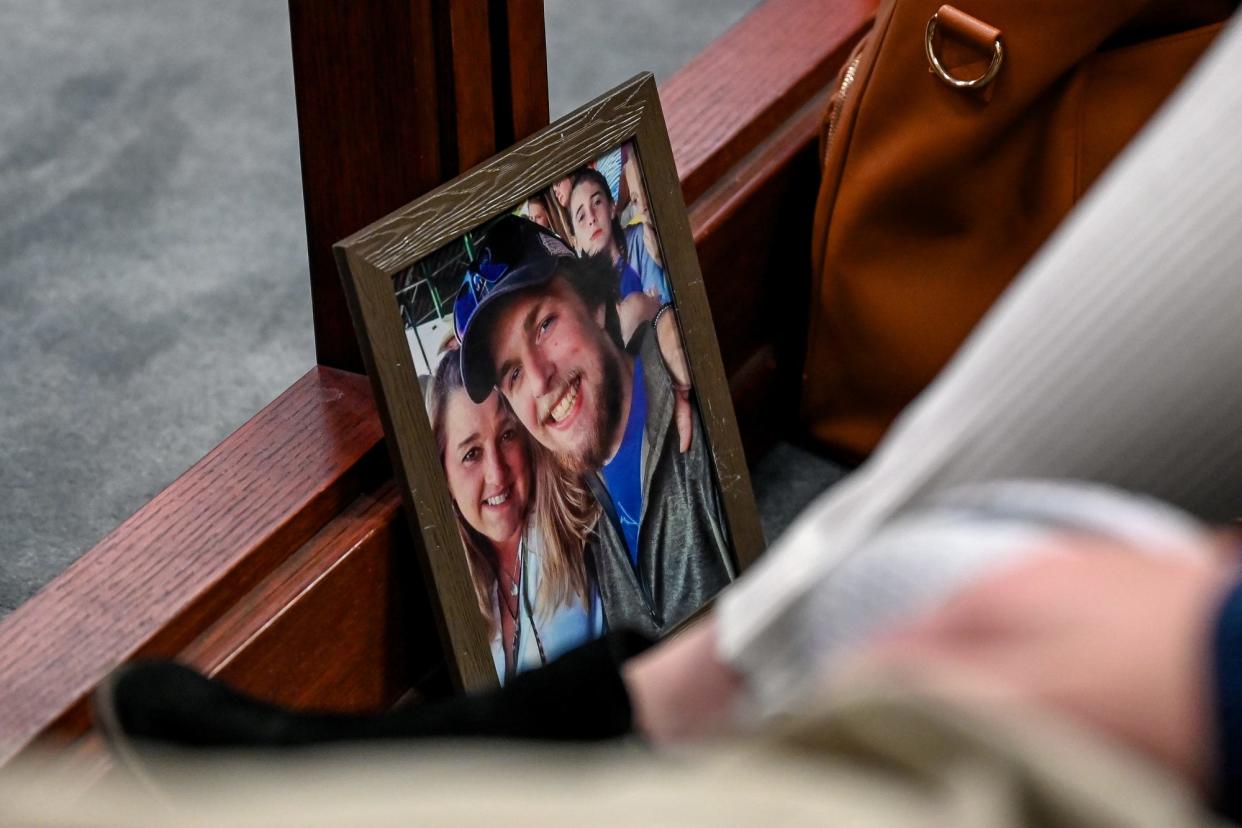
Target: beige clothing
(1113,359)
(872,758)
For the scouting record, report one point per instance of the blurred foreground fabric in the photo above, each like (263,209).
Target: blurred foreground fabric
(875,756)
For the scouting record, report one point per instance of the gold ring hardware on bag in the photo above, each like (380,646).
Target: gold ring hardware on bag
(972,28)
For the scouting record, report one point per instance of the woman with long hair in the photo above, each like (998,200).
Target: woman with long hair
(524,523)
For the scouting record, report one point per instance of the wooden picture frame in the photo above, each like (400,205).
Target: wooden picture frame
(372,259)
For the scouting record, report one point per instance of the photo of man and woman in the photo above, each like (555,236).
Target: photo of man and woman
(557,388)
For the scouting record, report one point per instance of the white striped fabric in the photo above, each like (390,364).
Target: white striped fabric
(1114,358)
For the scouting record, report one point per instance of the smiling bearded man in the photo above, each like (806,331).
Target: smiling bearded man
(559,365)
(540,325)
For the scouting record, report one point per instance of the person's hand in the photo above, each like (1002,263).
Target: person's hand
(639,308)
(1115,639)
(679,690)
(668,335)
(635,309)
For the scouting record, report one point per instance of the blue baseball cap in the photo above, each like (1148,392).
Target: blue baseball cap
(515,253)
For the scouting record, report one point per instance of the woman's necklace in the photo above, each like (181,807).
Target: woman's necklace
(508,598)
(514,578)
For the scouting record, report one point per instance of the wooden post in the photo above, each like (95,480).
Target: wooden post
(395,97)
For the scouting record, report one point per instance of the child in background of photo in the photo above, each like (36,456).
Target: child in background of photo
(536,209)
(634,307)
(598,230)
(620,169)
(556,200)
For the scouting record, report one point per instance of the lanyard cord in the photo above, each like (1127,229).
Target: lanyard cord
(530,612)
(543,657)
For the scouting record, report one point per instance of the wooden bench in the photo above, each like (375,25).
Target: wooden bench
(280,561)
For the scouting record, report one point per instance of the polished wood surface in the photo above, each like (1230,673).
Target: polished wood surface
(183,560)
(753,241)
(732,96)
(312,634)
(523,71)
(393,98)
(279,560)
(744,118)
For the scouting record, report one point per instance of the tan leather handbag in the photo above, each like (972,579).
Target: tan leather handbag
(957,140)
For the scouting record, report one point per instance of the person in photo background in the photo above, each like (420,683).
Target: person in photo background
(598,231)
(634,199)
(635,306)
(536,209)
(524,523)
(620,169)
(556,201)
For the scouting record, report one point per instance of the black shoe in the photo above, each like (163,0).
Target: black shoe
(162,701)
(579,697)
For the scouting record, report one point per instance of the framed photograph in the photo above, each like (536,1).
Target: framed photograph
(547,373)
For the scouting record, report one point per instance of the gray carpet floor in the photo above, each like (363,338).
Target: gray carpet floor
(153,289)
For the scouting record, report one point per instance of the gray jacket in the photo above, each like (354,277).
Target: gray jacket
(684,554)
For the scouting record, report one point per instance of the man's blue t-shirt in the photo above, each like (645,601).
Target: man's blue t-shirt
(627,278)
(623,474)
